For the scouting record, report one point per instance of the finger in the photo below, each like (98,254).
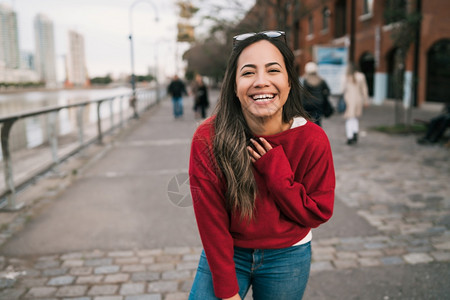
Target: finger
(253,153)
(258,147)
(266,144)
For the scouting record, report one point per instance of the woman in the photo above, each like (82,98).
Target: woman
(201,102)
(261,177)
(317,104)
(355,96)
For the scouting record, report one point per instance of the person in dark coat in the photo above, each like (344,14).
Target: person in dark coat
(201,101)
(177,89)
(317,103)
(437,127)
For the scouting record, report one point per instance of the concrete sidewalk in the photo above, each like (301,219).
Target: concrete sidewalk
(116,231)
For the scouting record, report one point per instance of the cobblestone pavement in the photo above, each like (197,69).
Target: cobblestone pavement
(399,188)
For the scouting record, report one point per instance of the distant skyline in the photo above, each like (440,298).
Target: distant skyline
(105,27)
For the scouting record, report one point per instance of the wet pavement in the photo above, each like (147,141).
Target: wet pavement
(389,237)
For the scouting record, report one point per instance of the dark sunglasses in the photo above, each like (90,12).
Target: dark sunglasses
(273,34)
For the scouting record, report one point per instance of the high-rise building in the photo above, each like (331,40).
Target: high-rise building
(9,39)
(27,60)
(45,60)
(76,60)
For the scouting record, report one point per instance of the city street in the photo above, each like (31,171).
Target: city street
(123,229)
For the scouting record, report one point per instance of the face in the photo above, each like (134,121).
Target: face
(262,83)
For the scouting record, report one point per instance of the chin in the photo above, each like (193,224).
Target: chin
(263,114)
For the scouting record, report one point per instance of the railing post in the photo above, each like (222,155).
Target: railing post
(111,112)
(80,125)
(157,92)
(99,123)
(53,136)
(121,110)
(9,178)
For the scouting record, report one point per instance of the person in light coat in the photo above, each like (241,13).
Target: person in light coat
(356,97)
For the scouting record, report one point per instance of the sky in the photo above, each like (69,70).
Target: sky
(105,26)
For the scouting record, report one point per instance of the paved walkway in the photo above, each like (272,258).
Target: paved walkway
(389,237)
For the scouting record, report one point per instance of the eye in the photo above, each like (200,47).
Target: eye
(274,71)
(247,73)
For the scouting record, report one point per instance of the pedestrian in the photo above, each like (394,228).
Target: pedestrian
(201,101)
(261,176)
(317,104)
(177,89)
(355,97)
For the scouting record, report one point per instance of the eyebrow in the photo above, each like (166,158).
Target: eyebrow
(254,66)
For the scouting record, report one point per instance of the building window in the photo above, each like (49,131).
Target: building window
(325,18)
(367,7)
(310,25)
(340,18)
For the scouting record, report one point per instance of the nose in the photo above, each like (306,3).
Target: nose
(261,80)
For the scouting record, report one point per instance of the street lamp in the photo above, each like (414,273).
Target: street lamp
(133,77)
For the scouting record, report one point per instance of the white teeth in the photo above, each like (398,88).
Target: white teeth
(263,97)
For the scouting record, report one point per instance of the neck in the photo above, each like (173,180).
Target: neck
(267,125)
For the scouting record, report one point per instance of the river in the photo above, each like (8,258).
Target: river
(11,103)
(32,132)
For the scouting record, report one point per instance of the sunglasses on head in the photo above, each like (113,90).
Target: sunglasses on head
(273,34)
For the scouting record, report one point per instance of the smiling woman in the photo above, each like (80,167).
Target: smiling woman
(261,176)
(262,87)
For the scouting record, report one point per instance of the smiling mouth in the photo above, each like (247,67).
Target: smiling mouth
(263,97)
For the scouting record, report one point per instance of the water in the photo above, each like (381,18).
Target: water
(27,101)
(32,132)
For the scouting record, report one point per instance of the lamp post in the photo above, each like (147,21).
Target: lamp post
(133,76)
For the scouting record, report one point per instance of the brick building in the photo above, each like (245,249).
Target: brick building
(367,28)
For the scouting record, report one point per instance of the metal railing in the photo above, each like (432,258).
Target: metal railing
(126,111)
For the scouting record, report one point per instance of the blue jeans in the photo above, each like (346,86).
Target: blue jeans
(279,274)
(177,106)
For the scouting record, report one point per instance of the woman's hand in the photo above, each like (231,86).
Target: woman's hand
(261,149)
(235,297)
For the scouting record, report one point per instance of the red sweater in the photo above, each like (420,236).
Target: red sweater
(295,193)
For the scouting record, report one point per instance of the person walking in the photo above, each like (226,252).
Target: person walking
(261,176)
(201,101)
(317,104)
(177,89)
(355,97)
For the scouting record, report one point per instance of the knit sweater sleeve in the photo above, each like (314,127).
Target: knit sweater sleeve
(307,201)
(213,220)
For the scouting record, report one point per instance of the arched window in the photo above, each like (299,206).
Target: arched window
(438,72)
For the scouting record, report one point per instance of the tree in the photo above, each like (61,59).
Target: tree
(208,55)
(405,33)
(208,58)
(101,80)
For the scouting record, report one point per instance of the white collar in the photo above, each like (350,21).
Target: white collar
(299,121)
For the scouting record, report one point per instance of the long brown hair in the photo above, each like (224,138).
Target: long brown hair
(232,133)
